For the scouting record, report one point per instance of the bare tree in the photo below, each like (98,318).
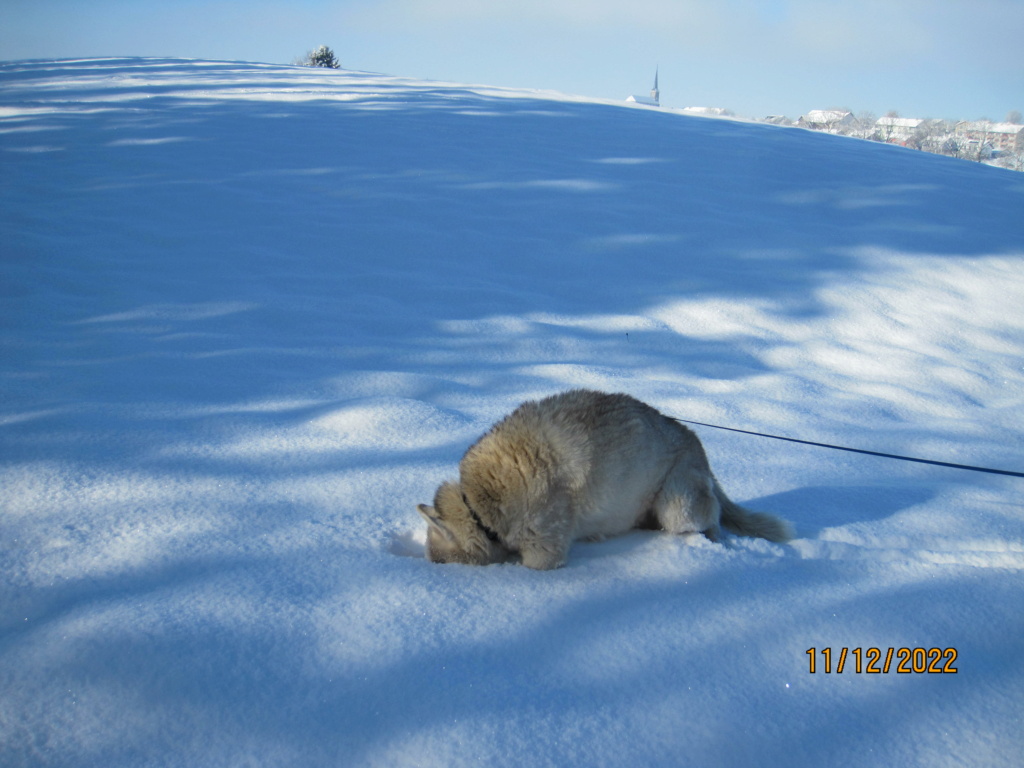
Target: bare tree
(866,121)
(1012,160)
(952,147)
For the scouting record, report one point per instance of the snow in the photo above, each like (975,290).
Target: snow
(252,315)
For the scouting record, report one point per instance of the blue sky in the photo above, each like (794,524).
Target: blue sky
(924,58)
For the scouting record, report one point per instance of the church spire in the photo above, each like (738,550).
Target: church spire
(655,93)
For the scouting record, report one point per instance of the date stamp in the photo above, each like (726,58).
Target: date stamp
(882,661)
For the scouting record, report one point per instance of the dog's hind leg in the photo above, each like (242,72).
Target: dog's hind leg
(687,503)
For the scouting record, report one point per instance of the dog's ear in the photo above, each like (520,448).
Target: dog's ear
(434,521)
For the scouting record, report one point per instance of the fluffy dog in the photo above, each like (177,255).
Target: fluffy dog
(581,464)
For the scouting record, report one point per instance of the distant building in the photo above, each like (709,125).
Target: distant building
(829,120)
(708,111)
(899,129)
(654,100)
(1004,137)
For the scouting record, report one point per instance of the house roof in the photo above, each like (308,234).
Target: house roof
(1010,128)
(826,116)
(717,111)
(900,122)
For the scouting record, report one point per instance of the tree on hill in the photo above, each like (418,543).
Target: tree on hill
(322,57)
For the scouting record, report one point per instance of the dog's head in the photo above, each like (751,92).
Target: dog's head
(455,534)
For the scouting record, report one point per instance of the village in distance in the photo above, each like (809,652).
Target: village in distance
(994,143)
(985,141)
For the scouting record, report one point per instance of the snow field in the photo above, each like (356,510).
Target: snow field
(251,315)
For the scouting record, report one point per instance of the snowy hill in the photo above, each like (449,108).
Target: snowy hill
(251,315)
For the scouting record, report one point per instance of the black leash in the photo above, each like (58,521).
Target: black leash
(859,450)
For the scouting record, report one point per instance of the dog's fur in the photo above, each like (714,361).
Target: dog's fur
(580,464)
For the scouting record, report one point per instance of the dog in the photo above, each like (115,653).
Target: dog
(580,465)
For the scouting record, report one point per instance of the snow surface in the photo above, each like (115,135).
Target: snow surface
(251,315)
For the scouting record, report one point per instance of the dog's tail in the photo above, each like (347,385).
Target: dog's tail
(756,524)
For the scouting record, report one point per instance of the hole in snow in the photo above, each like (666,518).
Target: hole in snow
(408,544)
